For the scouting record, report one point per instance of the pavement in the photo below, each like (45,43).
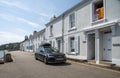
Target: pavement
(25,66)
(103,64)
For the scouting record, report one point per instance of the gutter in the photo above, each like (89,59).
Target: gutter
(107,24)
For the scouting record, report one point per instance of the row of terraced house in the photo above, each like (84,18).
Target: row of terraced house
(89,30)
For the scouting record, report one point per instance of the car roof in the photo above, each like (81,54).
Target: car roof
(45,44)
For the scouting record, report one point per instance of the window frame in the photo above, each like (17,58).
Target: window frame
(72,20)
(51,30)
(93,15)
(72,44)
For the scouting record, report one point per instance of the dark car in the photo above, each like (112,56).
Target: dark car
(2,57)
(47,54)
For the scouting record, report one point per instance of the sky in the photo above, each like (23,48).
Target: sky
(21,17)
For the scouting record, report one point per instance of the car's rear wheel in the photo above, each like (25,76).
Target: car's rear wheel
(36,57)
(3,63)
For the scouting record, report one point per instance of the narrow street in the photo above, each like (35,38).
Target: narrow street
(25,66)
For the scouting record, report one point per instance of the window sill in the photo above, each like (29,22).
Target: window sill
(71,53)
(72,29)
(99,21)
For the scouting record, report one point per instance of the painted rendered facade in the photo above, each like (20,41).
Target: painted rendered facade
(33,42)
(92,36)
(54,33)
(90,30)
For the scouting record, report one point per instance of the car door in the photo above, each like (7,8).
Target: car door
(37,53)
(41,53)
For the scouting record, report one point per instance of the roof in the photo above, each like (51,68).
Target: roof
(39,33)
(67,11)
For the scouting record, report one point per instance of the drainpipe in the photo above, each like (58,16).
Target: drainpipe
(63,33)
(104,3)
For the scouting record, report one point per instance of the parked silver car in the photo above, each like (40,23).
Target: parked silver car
(2,57)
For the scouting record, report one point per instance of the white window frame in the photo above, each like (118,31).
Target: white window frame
(72,21)
(73,45)
(99,20)
(51,30)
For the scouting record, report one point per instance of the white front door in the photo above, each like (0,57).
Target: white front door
(107,46)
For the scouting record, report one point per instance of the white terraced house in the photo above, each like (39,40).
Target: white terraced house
(24,44)
(54,33)
(90,30)
(38,39)
(33,42)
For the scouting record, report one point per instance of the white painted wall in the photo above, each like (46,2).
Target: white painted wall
(57,31)
(112,9)
(116,49)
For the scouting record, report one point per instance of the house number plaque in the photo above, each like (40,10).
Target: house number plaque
(116,45)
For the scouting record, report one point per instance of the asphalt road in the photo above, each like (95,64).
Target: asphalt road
(25,66)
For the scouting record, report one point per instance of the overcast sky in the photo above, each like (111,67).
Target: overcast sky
(21,17)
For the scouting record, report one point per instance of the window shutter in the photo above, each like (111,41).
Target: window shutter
(67,45)
(61,45)
(77,43)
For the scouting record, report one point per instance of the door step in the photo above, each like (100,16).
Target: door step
(104,63)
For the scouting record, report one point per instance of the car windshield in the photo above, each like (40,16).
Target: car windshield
(1,54)
(51,50)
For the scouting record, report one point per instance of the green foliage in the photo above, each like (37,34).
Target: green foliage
(10,46)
